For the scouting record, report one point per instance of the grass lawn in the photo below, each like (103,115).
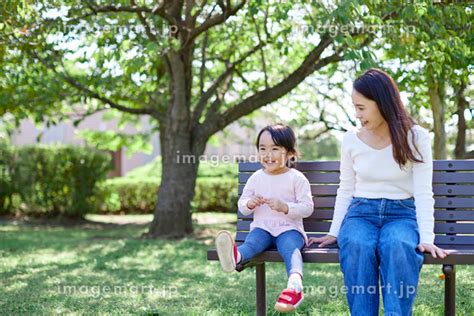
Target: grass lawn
(102,266)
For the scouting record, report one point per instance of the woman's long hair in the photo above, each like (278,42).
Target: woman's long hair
(377,85)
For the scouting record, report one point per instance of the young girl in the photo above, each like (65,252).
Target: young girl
(383,217)
(279,198)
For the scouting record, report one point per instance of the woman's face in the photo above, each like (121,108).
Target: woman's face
(272,157)
(367,111)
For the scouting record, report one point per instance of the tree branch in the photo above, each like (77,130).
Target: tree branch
(82,116)
(469,155)
(203,62)
(189,18)
(229,69)
(194,17)
(145,24)
(339,105)
(220,96)
(118,8)
(262,55)
(311,63)
(73,82)
(227,11)
(315,135)
(159,9)
(327,124)
(241,76)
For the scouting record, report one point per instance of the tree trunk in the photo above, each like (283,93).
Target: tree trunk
(436,95)
(180,151)
(173,209)
(460,149)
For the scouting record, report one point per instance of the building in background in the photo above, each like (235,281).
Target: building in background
(234,140)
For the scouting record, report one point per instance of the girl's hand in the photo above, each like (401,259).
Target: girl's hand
(434,250)
(322,241)
(277,205)
(255,201)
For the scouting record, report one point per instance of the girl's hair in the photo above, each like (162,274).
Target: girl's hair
(282,136)
(377,85)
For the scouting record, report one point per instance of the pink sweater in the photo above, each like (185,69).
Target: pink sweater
(290,187)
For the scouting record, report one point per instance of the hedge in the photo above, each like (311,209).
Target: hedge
(6,187)
(138,196)
(50,180)
(207,169)
(45,180)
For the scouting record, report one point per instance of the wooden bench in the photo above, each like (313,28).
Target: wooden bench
(453,187)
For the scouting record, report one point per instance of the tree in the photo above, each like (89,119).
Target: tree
(462,106)
(434,56)
(194,67)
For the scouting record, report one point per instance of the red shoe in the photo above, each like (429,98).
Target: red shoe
(288,301)
(226,251)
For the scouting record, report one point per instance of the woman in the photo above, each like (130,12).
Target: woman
(383,216)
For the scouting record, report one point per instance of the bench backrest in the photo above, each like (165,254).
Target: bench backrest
(453,188)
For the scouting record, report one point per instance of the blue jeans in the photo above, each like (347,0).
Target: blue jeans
(379,237)
(288,244)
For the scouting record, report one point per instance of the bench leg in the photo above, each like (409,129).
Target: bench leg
(449,290)
(261,291)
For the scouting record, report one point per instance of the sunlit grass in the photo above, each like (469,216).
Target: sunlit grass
(104,267)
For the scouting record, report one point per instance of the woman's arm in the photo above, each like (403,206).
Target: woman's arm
(423,194)
(422,187)
(345,191)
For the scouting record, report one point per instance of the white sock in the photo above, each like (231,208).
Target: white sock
(239,257)
(295,282)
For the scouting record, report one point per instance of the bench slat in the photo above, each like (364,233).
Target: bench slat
(440,215)
(454,228)
(453,177)
(459,255)
(438,165)
(467,241)
(450,165)
(456,190)
(454,240)
(323,227)
(333,177)
(308,226)
(448,215)
(312,177)
(439,202)
(302,166)
(453,190)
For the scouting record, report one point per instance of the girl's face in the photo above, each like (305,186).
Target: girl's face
(367,111)
(272,157)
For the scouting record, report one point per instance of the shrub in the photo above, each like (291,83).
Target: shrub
(6,187)
(128,195)
(52,180)
(215,195)
(138,196)
(206,169)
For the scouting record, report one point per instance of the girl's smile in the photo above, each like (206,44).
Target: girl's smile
(272,157)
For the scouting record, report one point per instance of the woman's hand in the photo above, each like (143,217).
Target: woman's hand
(322,241)
(434,250)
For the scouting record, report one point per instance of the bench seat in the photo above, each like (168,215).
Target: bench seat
(453,188)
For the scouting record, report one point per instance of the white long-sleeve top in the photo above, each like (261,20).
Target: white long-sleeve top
(290,187)
(371,173)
